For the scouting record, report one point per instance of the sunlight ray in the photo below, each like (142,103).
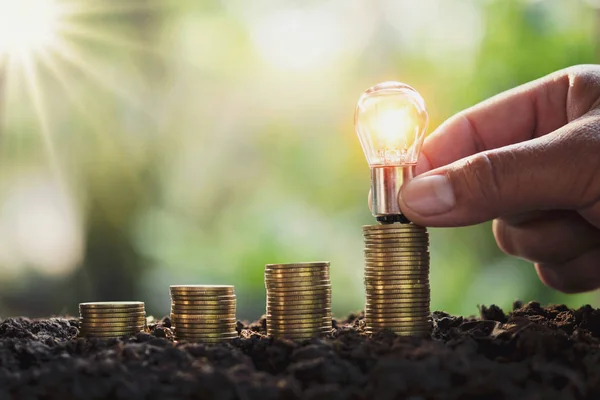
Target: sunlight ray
(107,38)
(34,90)
(91,70)
(99,8)
(89,118)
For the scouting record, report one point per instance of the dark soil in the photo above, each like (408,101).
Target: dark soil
(533,352)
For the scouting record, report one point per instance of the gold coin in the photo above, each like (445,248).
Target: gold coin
(204,303)
(396,283)
(114,320)
(297,273)
(396,263)
(298,320)
(297,334)
(111,324)
(307,307)
(312,311)
(400,321)
(384,315)
(398,306)
(204,335)
(397,301)
(204,322)
(202,288)
(393,227)
(396,277)
(201,324)
(203,331)
(115,315)
(203,317)
(296,282)
(316,289)
(111,304)
(84,311)
(202,299)
(89,331)
(202,309)
(376,244)
(302,264)
(295,299)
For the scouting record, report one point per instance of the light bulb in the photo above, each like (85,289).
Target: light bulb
(390,120)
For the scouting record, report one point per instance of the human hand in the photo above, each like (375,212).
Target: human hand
(528,158)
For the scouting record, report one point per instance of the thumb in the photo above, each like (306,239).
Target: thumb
(557,171)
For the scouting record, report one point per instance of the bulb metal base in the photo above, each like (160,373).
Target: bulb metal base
(386,183)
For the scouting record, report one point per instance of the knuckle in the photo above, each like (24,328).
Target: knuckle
(482,177)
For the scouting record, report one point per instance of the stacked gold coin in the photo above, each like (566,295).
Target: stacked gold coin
(111,319)
(298,300)
(397,279)
(204,313)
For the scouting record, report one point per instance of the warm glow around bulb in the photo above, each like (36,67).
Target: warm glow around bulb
(27,25)
(392,126)
(390,121)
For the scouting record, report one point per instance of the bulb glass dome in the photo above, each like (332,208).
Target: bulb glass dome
(391,120)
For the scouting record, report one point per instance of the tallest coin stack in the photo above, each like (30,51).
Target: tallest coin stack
(397,279)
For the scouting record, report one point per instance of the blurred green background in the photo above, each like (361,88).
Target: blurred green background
(155,142)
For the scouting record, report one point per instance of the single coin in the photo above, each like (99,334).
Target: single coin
(203,318)
(296,283)
(204,302)
(396,283)
(415,333)
(397,306)
(115,315)
(114,332)
(302,264)
(305,290)
(201,299)
(203,309)
(204,289)
(306,305)
(373,301)
(203,335)
(396,262)
(127,310)
(398,322)
(385,315)
(324,311)
(111,324)
(113,320)
(203,331)
(392,226)
(397,250)
(297,321)
(376,245)
(200,339)
(322,273)
(396,277)
(201,324)
(112,304)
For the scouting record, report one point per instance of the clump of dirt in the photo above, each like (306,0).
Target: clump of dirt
(532,352)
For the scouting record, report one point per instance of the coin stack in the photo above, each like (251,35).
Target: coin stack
(111,319)
(298,300)
(397,279)
(204,313)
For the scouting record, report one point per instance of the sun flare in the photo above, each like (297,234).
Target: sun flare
(28,25)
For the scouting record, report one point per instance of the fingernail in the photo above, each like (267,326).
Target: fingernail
(429,195)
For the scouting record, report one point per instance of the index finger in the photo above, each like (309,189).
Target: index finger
(525,112)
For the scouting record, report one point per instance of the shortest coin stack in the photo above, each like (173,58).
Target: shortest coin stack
(111,319)
(204,313)
(298,300)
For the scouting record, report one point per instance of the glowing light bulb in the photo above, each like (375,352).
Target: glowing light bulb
(390,121)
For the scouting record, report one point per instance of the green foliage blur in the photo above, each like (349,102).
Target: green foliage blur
(171,142)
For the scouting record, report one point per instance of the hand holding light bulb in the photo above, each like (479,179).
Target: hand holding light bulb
(530,159)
